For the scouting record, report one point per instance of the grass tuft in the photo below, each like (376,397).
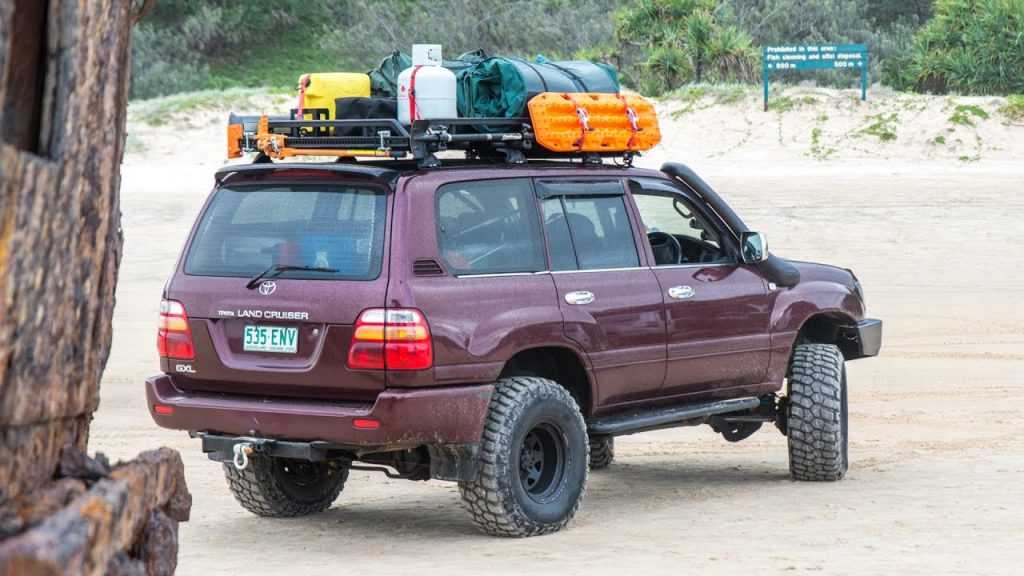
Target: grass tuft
(964,114)
(1013,110)
(882,126)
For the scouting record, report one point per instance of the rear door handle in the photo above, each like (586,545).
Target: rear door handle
(579,297)
(681,292)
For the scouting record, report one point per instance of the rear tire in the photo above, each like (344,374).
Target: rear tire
(602,452)
(817,414)
(533,460)
(281,488)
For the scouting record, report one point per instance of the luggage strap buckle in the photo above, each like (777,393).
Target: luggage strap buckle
(634,121)
(584,119)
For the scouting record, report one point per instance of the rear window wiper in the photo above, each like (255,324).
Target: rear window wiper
(277,269)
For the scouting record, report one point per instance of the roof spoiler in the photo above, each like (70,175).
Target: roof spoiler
(777,270)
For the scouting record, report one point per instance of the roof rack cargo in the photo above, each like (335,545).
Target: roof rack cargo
(587,126)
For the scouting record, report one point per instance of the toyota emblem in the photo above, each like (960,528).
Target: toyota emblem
(267,288)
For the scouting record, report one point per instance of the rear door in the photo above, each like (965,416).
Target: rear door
(289,334)
(611,304)
(717,309)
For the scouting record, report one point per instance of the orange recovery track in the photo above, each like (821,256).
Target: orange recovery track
(586,122)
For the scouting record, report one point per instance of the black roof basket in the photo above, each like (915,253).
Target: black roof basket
(508,139)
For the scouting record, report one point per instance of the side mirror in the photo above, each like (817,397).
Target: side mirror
(754,247)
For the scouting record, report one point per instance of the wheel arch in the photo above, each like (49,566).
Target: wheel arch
(560,364)
(829,327)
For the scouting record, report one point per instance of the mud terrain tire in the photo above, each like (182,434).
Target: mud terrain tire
(602,451)
(282,488)
(817,415)
(533,460)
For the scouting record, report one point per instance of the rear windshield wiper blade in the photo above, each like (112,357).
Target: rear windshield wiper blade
(277,269)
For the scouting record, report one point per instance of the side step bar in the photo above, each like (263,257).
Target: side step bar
(662,417)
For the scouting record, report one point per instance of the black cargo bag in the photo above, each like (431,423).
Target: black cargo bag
(362,108)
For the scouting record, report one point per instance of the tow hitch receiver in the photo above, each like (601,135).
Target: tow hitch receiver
(239,449)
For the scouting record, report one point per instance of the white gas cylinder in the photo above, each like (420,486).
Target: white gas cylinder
(427,91)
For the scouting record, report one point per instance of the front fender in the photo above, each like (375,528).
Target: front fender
(822,291)
(793,307)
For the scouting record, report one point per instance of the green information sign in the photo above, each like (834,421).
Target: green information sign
(820,57)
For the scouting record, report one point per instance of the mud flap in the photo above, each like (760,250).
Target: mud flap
(455,462)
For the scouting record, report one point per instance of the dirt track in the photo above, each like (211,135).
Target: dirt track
(937,478)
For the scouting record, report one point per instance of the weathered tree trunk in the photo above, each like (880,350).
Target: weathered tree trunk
(65,66)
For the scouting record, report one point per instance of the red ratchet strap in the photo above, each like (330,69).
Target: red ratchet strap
(633,122)
(583,117)
(412,94)
(303,83)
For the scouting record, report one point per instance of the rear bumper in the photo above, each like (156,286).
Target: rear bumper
(408,418)
(869,337)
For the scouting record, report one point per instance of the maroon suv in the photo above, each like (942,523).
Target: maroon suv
(495,325)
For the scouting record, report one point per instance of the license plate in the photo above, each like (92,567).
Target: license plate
(270,339)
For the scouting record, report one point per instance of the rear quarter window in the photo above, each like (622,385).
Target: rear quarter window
(489,227)
(246,230)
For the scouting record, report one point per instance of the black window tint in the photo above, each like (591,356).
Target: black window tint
(601,232)
(489,227)
(248,229)
(557,230)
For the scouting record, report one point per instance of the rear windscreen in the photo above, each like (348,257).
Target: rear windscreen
(246,230)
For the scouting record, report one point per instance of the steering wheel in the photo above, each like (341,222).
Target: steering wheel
(661,240)
(699,251)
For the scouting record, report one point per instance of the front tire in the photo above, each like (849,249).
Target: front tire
(533,460)
(817,414)
(282,488)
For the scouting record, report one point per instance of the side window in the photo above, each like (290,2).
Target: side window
(489,227)
(670,219)
(559,241)
(593,229)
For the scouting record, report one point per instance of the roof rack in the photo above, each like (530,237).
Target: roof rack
(572,132)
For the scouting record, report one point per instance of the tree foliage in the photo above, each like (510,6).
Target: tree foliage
(179,41)
(657,45)
(667,43)
(554,28)
(971,47)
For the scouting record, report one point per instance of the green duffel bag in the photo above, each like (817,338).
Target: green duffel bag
(501,87)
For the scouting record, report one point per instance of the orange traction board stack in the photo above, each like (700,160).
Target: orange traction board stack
(585,122)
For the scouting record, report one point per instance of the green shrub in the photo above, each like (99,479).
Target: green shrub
(882,126)
(180,43)
(971,47)
(1014,107)
(667,43)
(963,114)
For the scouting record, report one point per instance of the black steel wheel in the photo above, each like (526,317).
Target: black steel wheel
(534,454)
(542,461)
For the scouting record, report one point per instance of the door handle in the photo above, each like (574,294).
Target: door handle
(681,292)
(579,297)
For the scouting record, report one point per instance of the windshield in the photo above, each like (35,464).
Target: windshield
(248,229)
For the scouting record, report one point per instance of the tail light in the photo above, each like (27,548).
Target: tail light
(392,339)
(173,336)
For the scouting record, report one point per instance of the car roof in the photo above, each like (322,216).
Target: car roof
(390,170)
